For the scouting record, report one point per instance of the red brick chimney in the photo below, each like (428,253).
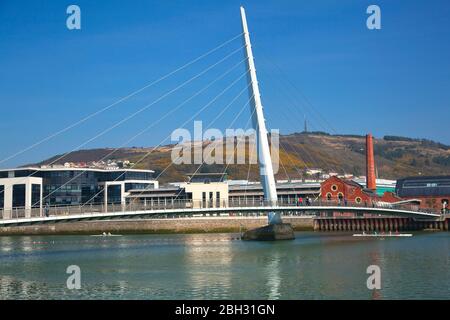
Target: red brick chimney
(371,182)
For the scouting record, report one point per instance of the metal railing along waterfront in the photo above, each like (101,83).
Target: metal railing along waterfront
(20,212)
(232,207)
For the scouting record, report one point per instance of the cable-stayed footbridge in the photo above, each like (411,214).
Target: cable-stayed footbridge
(44,211)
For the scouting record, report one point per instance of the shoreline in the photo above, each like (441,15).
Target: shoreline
(156,226)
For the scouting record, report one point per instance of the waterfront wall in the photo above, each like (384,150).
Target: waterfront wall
(168,225)
(224,224)
(378,224)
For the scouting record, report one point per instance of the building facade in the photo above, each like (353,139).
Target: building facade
(212,191)
(32,188)
(340,190)
(287,192)
(432,191)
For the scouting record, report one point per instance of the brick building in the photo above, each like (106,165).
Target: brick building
(337,189)
(432,191)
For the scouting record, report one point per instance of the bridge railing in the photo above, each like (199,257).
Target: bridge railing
(133,206)
(19,212)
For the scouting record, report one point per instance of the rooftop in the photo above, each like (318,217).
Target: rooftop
(76,169)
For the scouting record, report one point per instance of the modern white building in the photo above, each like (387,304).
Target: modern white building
(24,191)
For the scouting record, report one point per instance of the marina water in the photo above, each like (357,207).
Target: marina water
(315,265)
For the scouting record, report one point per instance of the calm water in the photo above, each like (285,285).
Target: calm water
(217,266)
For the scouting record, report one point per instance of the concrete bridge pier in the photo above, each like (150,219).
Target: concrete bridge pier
(422,225)
(395,224)
(406,224)
(366,225)
(372,225)
(401,224)
(413,225)
(385,225)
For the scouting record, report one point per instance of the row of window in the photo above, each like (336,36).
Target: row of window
(340,196)
(211,198)
(2,196)
(137,186)
(67,187)
(426,184)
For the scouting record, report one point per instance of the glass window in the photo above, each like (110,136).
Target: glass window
(35,195)
(204,198)
(134,186)
(2,196)
(18,195)
(114,194)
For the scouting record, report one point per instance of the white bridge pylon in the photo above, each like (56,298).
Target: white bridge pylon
(264,159)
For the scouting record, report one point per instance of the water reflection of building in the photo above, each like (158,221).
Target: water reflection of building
(208,262)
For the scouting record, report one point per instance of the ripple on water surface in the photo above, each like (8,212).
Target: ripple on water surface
(219,266)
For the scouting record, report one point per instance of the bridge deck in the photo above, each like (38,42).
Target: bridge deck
(149,213)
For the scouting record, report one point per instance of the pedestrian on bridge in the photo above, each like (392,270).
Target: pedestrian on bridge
(308,201)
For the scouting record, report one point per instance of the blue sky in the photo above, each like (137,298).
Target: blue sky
(312,57)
